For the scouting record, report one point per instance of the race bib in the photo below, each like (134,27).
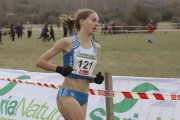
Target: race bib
(84,64)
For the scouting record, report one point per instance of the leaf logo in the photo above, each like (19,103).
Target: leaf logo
(11,85)
(127,104)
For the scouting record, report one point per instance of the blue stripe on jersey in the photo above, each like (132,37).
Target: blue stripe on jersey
(94,47)
(76,43)
(76,76)
(68,58)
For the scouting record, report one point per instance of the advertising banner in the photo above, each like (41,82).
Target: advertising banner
(139,109)
(20,101)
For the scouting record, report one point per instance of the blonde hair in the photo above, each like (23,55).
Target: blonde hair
(73,21)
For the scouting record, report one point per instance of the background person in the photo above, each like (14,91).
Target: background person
(19,30)
(79,59)
(29,29)
(1,37)
(41,32)
(51,32)
(65,30)
(12,32)
(150,31)
(45,33)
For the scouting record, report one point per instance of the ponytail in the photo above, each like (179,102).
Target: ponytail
(69,21)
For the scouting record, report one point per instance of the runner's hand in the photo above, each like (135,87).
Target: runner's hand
(64,71)
(99,78)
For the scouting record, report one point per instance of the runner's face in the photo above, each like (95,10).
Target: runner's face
(91,23)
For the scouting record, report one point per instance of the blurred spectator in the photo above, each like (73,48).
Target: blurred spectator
(51,33)
(41,33)
(109,28)
(29,29)
(0,37)
(19,30)
(65,30)
(150,31)
(103,28)
(12,32)
(45,34)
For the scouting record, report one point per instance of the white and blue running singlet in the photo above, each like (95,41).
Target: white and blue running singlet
(81,60)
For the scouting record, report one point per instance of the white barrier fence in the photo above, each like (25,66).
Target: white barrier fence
(31,102)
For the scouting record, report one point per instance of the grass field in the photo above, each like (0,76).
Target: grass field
(121,55)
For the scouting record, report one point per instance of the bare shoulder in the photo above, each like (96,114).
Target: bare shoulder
(63,43)
(65,40)
(98,46)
